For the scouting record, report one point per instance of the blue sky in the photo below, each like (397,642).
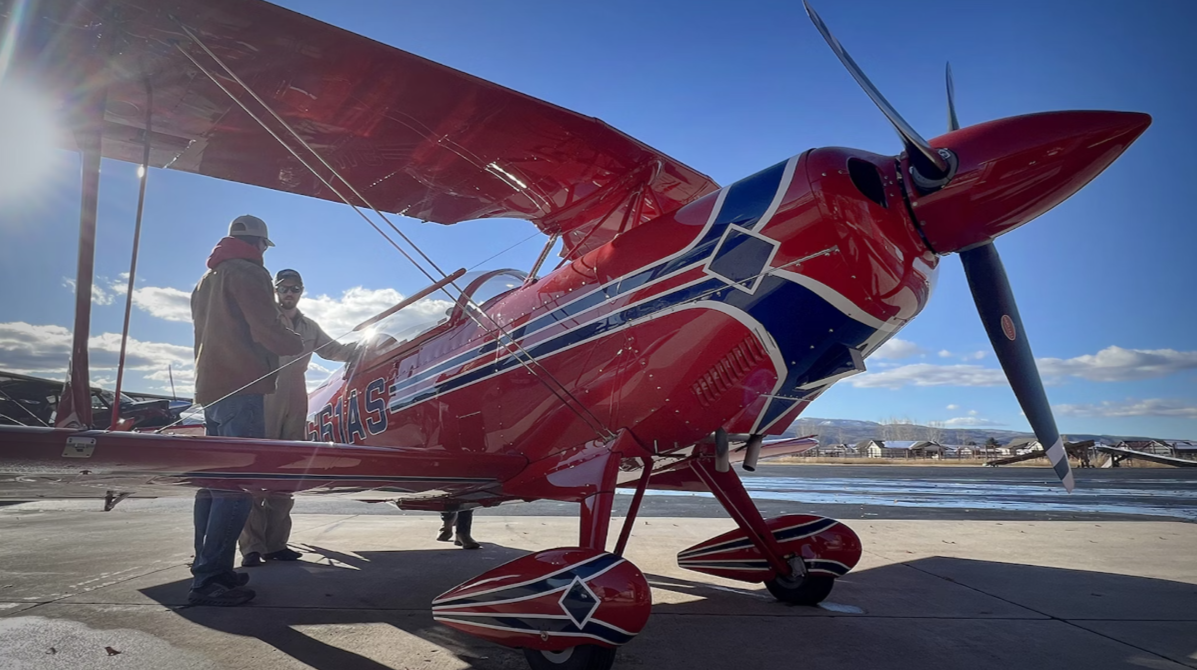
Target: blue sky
(1103,281)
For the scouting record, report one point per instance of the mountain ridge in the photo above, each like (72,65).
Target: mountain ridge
(851,431)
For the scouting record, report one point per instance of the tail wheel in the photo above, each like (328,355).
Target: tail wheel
(799,589)
(581,657)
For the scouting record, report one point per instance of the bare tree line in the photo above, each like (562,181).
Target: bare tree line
(892,428)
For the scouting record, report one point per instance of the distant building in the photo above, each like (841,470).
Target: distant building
(1156,447)
(959,450)
(1023,445)
(1183,448)
(829,451)
(898,449)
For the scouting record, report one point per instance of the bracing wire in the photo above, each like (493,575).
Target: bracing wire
(24,408)
(590,419)
(600,430)
(491,258)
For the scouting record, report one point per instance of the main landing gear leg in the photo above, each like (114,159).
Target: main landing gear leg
(567,608)
(792,583)
(593,532)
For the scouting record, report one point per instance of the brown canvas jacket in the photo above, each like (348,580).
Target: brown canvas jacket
(239,332)
(291,397)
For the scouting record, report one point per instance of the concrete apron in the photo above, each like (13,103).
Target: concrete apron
(93,589)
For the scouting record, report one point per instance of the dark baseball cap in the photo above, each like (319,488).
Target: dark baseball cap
(287,274)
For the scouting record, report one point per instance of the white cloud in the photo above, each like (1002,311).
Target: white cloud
(1158,407)
(44,350)
(976,355)
(317,374)
(972,412)
(99,296)
(166,303)
(316,368)
(944,353)
(953,406)
(896,348)
(337,316)
(970,422)
(927,374)
(163,302)
(1115,364)
(182,378)
(1112,364)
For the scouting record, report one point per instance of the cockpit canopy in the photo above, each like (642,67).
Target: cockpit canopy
(480,288)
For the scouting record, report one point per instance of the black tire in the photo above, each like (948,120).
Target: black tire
(808,590)
(581,657)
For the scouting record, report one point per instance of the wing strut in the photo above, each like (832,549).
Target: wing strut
(525,359)
(74,407)
(143,176)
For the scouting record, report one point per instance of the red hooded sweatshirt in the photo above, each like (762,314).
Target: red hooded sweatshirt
(230,247)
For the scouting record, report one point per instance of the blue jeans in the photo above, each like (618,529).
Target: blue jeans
(236,416)
(220,515)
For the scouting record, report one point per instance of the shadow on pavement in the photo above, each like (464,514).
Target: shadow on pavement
(314,612)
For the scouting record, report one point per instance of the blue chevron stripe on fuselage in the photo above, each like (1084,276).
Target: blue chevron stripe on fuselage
(778,305)
(745,203)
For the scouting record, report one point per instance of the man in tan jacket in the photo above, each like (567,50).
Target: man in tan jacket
(269,525)
(239,335)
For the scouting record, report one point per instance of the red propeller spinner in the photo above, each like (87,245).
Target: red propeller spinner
(1006,172)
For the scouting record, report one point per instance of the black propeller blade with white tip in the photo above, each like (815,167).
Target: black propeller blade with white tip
(995,303)
(914,142)
(986,277)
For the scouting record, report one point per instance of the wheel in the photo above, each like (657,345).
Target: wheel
(801,590)
(581,657)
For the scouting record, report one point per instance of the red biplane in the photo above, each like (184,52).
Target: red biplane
(687,322)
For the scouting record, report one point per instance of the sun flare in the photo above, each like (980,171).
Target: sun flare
(28,140)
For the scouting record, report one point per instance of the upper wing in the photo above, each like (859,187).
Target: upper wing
(414,137)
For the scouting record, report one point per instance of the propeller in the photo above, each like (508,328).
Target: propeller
(995,302)
(986,276)
(953,122)
(915,144)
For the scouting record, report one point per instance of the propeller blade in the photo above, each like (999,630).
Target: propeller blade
(953,122)
(914,142)
(995,302)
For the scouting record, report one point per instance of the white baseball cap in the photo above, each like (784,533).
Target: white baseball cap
(248,224)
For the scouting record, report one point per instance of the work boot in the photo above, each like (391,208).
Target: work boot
(251,559)
(447,521)
(232,579)
(465,521)
(216,594)
(283,554)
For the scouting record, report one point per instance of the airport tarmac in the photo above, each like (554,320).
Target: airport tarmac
(940,585)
